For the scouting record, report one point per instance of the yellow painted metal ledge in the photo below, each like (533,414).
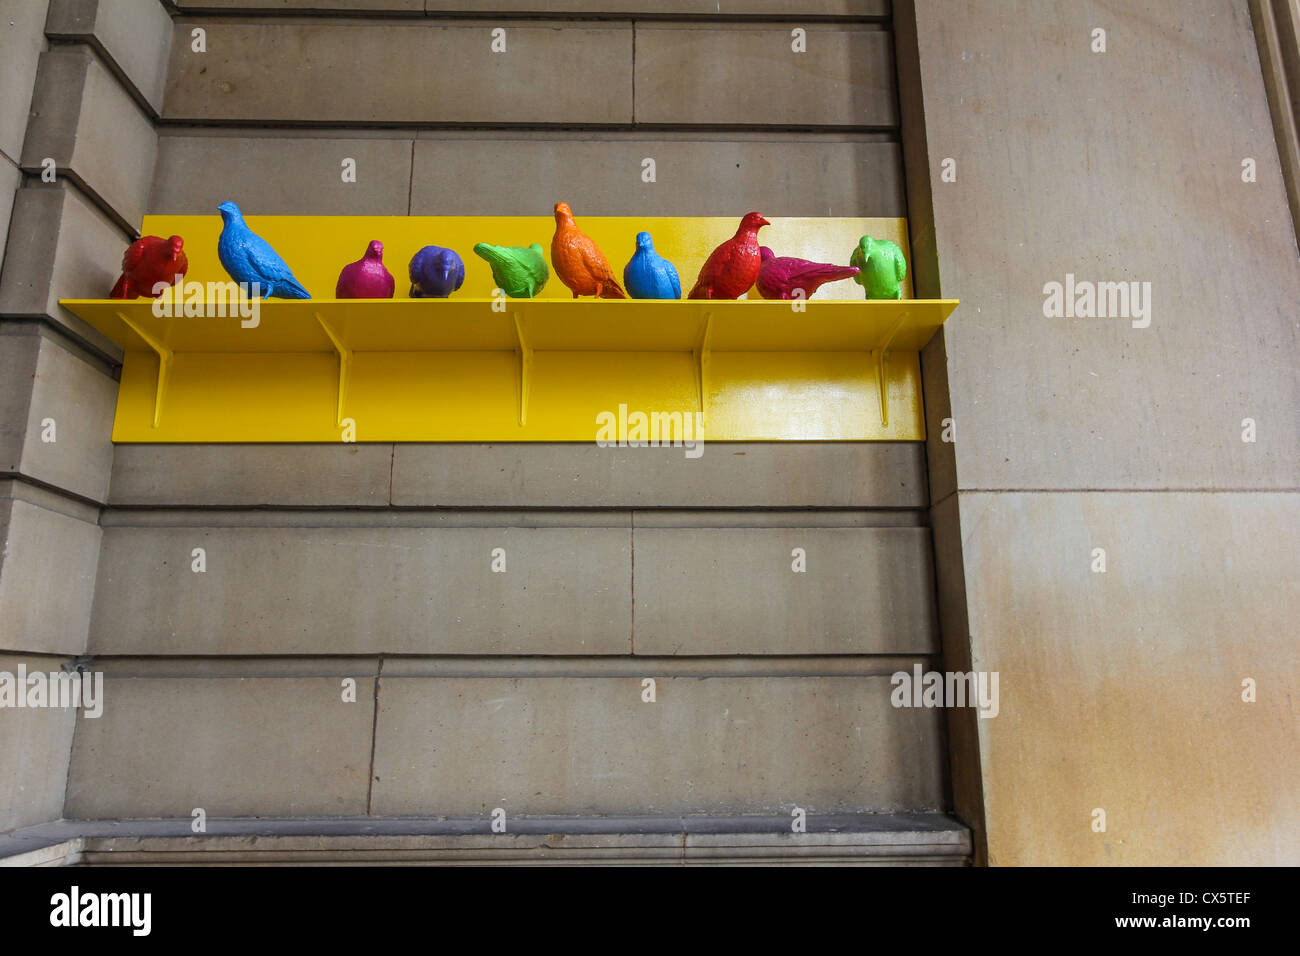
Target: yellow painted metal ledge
(486,369)
(543,370)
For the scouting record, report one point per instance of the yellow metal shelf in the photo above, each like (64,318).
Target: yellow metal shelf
(541,370)
(474,368)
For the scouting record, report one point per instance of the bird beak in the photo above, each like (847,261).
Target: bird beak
(763,222)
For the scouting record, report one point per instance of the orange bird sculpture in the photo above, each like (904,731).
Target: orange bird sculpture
(579,262)
(733,266)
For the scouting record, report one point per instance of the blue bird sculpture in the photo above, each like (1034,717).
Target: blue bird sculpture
(649,275)
(249,258)
(435,273)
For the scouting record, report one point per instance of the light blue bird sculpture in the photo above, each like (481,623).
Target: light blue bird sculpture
(249,258)
(649,275)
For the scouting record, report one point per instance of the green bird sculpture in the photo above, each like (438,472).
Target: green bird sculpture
(881,268)
(520,273)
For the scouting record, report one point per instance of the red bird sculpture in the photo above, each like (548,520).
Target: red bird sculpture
(733,266)
(148,262)
(578,262)
(779,277)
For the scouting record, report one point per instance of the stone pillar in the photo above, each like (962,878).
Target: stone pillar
(1117,521)
(76,158)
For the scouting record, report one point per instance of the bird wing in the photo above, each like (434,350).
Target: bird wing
(133,256)
(790,265)
(415,268)
(265,260)
(268,261)
(530,260)
(717,262)
(595,261)
(674,279)
(511,269)
(900,267)
(713,267)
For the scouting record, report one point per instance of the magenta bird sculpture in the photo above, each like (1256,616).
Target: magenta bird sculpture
(779,277)
(366,278)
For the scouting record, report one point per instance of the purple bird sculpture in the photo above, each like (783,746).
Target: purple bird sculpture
(366,278)
(779,277)
(435,273)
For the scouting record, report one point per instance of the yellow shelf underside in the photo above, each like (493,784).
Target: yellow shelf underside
(456,370)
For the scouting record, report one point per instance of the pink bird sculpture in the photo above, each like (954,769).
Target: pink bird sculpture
(779,277)
(733,266)
(366,278)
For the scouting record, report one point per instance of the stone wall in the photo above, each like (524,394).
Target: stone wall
(82,89)
(371,562)
(1121,690)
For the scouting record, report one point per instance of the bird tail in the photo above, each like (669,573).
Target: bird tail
(830,273)
(290,289)
(612,290)
(119,290)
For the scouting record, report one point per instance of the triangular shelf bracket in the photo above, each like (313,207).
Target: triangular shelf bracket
(165,359)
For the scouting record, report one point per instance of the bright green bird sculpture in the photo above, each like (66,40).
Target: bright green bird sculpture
(520,273)
(881,268)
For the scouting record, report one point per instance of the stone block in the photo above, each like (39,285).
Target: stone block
(726,475)
(591,746)
(86,122)
(34,748)
(321,71)
(1123,690)
(251,475)
(735,591)
(70,250)
(729,74)
(1094,403)
(275,746)
(135,35)
(47,571)
(822,174)
(282,175)
(363,590)
(22,38)
(59,413)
